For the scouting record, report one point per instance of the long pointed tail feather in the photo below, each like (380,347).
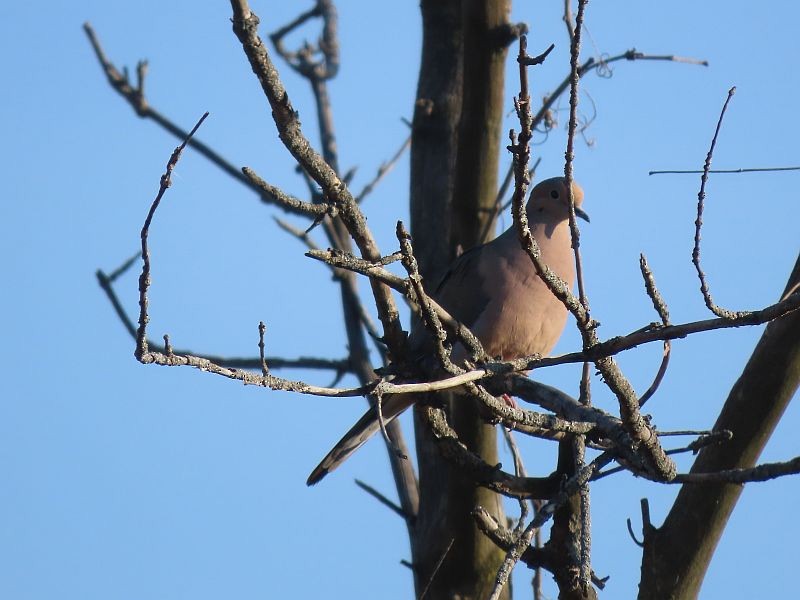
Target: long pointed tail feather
(367,426)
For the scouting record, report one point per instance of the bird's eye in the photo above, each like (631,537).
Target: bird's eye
(554,194)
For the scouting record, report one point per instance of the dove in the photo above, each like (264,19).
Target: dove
(495,291)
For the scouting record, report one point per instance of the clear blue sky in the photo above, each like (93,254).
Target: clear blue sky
(123,481)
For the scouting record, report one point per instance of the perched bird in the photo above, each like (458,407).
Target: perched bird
(495,291)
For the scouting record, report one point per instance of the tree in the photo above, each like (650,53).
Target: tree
(469,91)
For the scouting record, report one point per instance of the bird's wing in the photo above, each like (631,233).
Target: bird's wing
(461,292)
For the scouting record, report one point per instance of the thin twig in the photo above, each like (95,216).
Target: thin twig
(599,65)
(366,319)
(536,581)
(301,60)
(278,35)
(763,472)
(519,471)
(636,425)
(575,49)
(381,498)
(262,329)
(504,538)
(376,398)
(105,283)
(680,432)
(245,25)
(500,206)
(134,95)
(323,169)
(701,195)
(170,358)
(568,21)
(383,170)
(633,535)
(167,345)
(436,569)
(249,378)
(705,439)
(122,269)
(570,487)
(597,350)
(275,195)
(144,278)
(580,540)
(232,362)
(479,471)
(660,306)
(429,316)
(592,64)
(373,270)
(662,370)
(519,467)
(747,170)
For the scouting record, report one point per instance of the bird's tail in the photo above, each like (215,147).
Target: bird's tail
(365,428)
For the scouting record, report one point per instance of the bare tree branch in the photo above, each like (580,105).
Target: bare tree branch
(630,440)
(745,170)
(653,332)
(384,169)
(232,362)
(763,472)
(323,170)
(701,195)
(245,24)
(134,95)
(639,429)
(677,554)
(382,499)
(660,307)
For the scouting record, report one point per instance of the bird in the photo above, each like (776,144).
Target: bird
(495,291)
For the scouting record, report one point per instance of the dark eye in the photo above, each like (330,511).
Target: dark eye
(554,194)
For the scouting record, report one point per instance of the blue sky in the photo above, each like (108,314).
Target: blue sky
(125,481)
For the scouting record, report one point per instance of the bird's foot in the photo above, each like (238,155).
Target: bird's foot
(510,402)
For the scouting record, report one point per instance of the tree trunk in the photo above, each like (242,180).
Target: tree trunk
(454,161)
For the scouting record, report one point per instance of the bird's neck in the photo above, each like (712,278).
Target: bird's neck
(544,232)
(554,240)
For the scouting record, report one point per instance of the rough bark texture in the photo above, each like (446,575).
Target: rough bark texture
(455,144)
(434,135)
(565,535)
(677,555)
(485,52)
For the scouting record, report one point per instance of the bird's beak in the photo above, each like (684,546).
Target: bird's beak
(579,212)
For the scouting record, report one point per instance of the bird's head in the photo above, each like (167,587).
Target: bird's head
(549,200)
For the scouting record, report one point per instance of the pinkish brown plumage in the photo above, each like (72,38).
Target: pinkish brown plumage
(495,291)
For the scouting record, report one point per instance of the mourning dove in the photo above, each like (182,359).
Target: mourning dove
(494,290)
